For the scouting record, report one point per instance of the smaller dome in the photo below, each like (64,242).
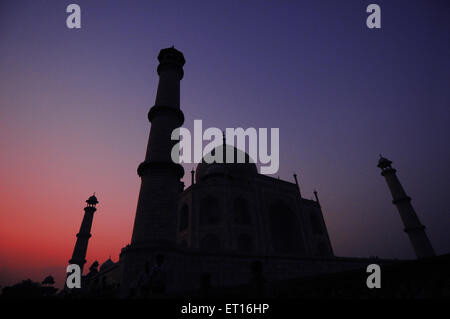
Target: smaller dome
(92,200)
(94,266)
(171,54)
(108,263)
(384,162)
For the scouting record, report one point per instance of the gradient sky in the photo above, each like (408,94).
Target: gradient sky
(74,103)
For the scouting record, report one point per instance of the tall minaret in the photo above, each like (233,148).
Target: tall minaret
(413,227)
(79,252)
(155,221)
(155,224)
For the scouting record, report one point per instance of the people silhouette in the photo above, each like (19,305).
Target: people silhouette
(158,276)
(144,281)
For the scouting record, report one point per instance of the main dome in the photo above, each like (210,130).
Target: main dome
(233,168)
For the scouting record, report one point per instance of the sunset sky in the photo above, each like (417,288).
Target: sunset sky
(74,103)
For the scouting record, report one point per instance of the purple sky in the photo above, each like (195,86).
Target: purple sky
(74,103)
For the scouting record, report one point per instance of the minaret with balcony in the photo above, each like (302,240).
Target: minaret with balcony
(413,226)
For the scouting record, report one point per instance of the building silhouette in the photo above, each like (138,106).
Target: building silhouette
(230,227)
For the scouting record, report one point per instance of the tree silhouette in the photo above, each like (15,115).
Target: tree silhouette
(30,289)
(48,281)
